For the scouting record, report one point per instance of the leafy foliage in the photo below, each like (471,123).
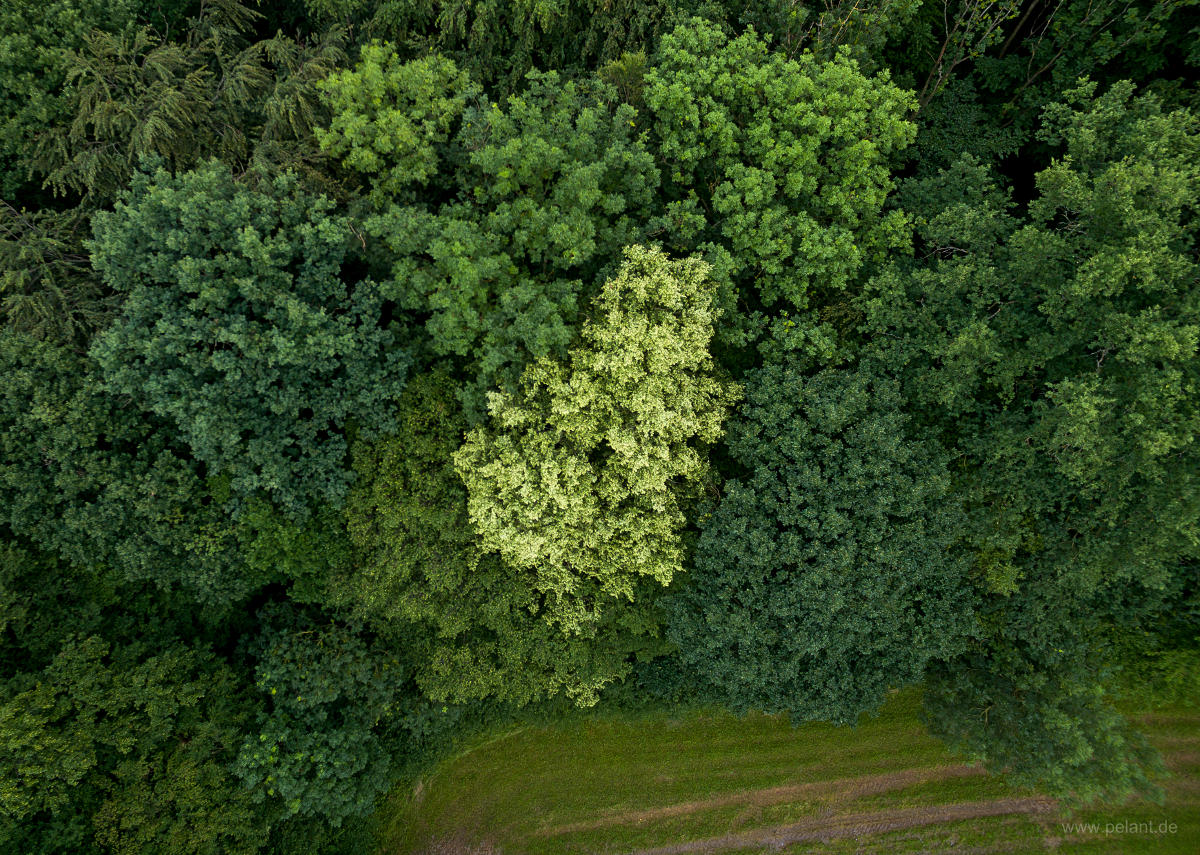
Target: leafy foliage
(48,288)
(499,41)
(36,44)
(578,479)
(543,193)
(238,327)
(1044,55)
(778,167)
(471,625)
(1069,340)
(407,512)
(987,68)
(87,478)
(862,27)
(390,118)
(320,747)
(304,553)
(134,93)
(826,575)
(251,576)
(1059,356)
(146,734)
(1033,698)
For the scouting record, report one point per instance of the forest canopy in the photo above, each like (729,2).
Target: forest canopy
(373,373)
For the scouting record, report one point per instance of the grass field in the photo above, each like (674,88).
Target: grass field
(709,783)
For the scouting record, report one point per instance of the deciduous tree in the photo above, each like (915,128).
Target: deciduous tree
(243,326)
(533,200)
(776,168)
(577,480)
(1057,354)
(827,573)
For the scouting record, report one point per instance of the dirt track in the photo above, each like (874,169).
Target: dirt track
(839,789)
(856,825)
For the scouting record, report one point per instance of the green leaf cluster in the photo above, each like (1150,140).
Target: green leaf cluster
(319,747)
(827,574)
(533,201)
(776,168)
(239,328)
(87,479)
(145,734)
(468,623)
(578,480)
(1056,353)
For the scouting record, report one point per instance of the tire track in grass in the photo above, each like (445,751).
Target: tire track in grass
(840,788)
(856,825)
